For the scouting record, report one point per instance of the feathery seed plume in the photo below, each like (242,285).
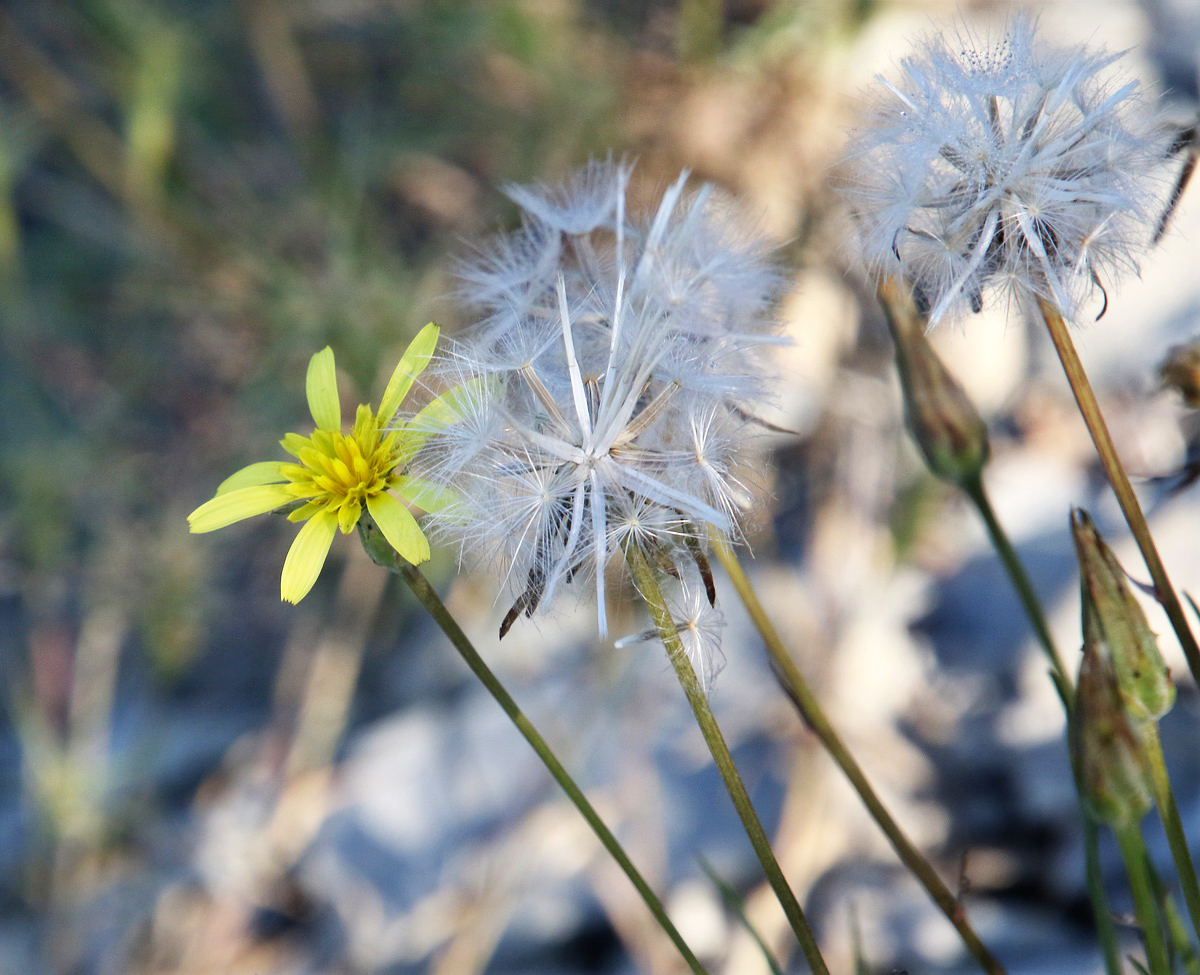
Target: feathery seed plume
(1011,166)
(612,369)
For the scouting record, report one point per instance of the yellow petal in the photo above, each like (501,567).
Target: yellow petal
(364,425)
(307,555)
(293,443)
(305,512)
(435,417)
(424,494)
(399,527)
(245,502)
(348,515)
(321,387)
(412,364)
(252,475)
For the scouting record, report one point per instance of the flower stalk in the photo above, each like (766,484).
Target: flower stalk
(1089,409)
(652,595)
(953,438)
(1168,810)
(382,553)
(1145,904)
(814,716)
(1023,585)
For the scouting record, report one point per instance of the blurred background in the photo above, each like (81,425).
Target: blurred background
(196,195)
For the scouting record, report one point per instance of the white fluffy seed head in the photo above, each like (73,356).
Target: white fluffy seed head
(1005,166)
(620,356)
(699,625)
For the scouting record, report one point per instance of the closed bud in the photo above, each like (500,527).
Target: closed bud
(1112,618)
(1181,371)
(1107,745)
(942,420)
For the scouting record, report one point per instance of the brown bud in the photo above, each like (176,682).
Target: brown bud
(943,421)
(1107,745)
(1181,371)
(1113,619)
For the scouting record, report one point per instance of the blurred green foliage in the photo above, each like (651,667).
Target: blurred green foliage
(193,198)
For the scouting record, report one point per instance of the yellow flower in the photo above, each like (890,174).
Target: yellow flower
(339,473)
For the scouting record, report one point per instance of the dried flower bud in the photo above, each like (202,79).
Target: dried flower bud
(942,420)
(1113,619)
(1181,371)
(1107,745)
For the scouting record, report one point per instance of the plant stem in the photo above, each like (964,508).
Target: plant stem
(1185,869)
(383,555)
(812,713)
(975,490)
(1089,408)
(652,595)
(1141,887)
(1105,928)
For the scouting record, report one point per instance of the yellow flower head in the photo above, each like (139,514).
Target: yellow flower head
(338,473)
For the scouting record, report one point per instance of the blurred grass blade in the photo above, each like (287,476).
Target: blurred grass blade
(860,959)
(151,113)
(1184,956)
(737,906)
(700,25)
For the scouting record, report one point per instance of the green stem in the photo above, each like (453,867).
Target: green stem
(1168,811)
(385,556)
(1089,408)
(1105,928)
(652,595)
(1145,905)
(953,438)
(975,490)
(812,713)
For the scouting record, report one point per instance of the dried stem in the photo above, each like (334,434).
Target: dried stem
(810,710)
(1089,408)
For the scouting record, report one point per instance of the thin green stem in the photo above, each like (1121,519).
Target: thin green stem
(737,907)
(647,585)
(1145,904)
(1168,811)
(382,554)
(812,713)
(1179,938)
(975,490)
(1105,928)
(1089,408)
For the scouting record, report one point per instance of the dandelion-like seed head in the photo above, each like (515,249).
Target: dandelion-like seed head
(699,625)
(616,358)
(1005,166)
